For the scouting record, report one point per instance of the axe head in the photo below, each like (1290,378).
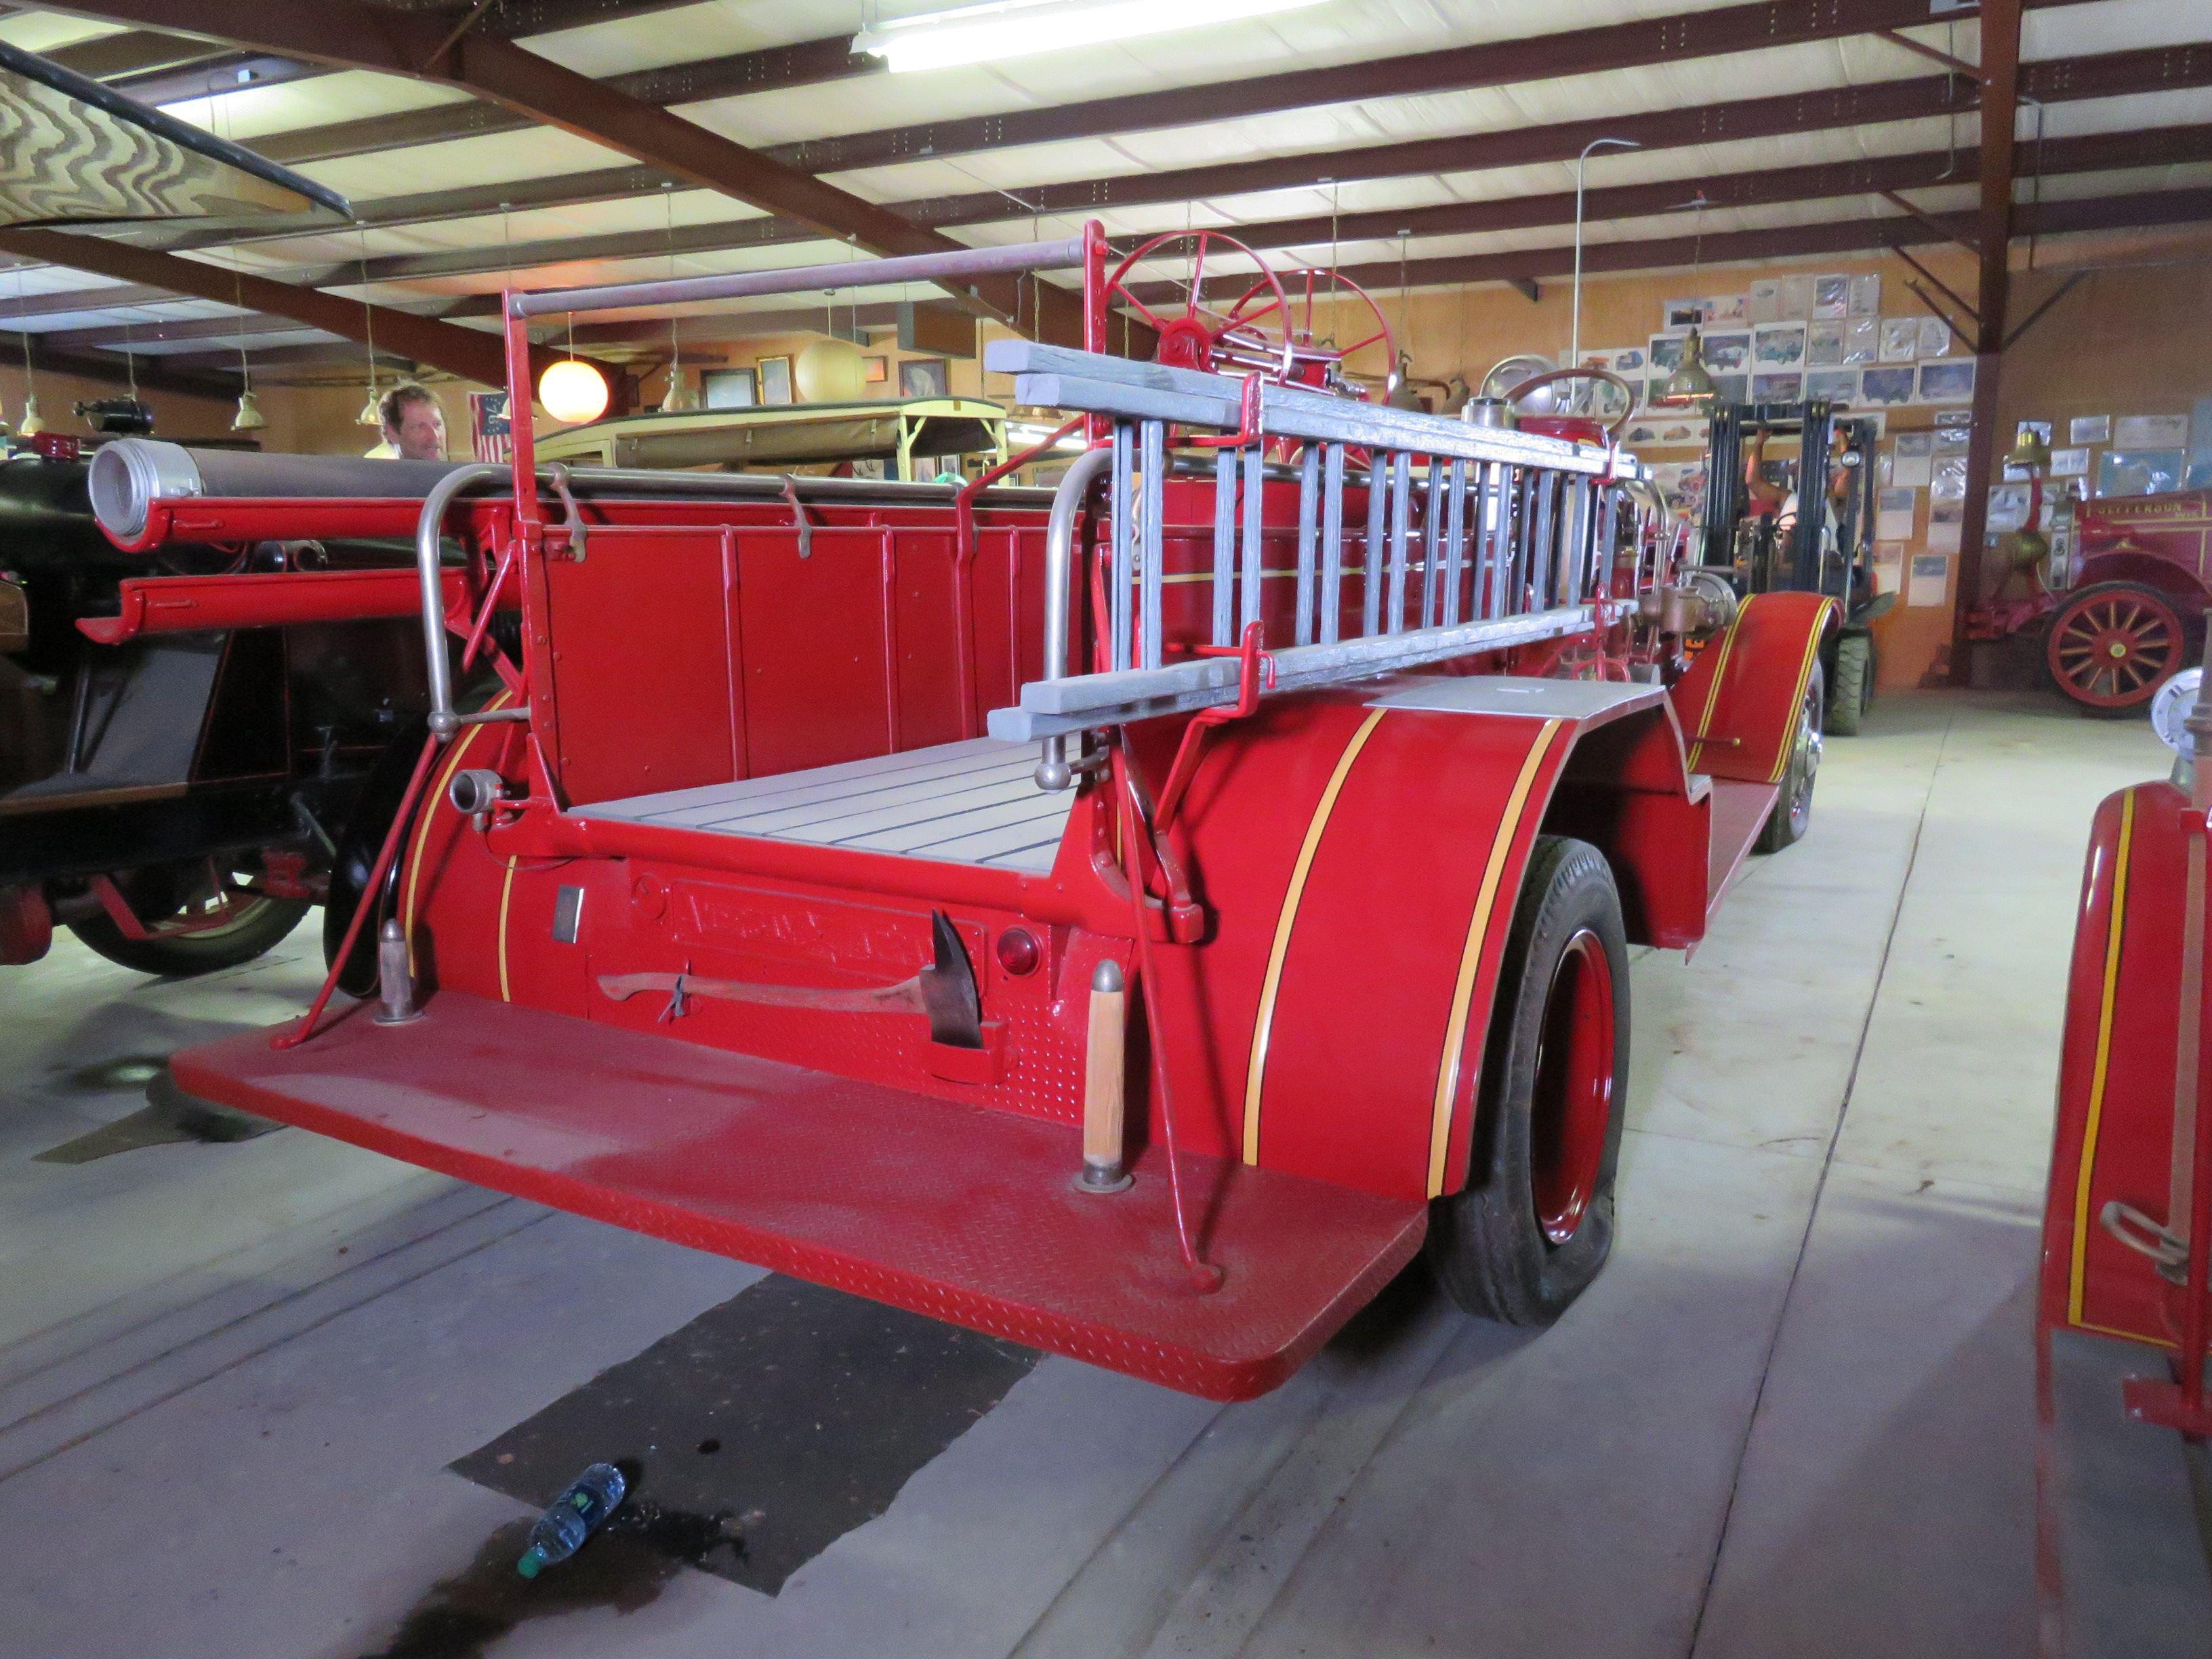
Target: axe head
(948,989)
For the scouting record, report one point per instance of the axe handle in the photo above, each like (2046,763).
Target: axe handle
(905,997)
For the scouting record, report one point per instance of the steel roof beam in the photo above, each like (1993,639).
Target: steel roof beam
(803,63)
(470,353)
(133,52)
(2107,74)
(2136,210)
(1666,39)
(123,297)
(1679,37)
(347,33)
(151,376)
(1921,170)
(139,335)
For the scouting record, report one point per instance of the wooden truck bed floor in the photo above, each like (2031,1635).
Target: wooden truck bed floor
(955,1212)
(970,803)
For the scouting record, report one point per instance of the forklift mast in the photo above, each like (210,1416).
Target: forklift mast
(1799,565)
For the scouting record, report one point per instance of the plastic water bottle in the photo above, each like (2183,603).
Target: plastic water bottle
(572,1518)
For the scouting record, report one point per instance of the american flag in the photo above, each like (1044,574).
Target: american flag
(490,433)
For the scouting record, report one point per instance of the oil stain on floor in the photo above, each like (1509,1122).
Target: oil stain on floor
(803,1411)
(624,1566)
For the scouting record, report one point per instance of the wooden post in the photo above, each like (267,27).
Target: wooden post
(1105,1083)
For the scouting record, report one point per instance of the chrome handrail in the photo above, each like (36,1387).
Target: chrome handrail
(429,525)
(1053,771)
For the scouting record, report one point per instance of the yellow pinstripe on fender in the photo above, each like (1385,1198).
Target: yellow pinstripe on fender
(1713,691)
(427,809)
(505,893)
(1273,982)
(1804,680)
(2112,932)
(1470,960)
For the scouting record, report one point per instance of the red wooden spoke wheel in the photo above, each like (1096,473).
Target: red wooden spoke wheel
(1253,333)
(1571,1112)
(2112,645)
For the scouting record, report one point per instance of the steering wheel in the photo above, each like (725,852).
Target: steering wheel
(1613,429)
(1253,333)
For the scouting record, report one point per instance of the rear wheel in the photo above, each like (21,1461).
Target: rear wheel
(1793,808)
(1535,1223)
(2112,645)
(1854,685)
(256,923)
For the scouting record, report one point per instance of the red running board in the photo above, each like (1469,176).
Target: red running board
(957,1213)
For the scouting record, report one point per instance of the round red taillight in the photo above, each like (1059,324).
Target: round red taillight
(1019,952)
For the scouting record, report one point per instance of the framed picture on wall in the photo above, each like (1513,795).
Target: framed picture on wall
(875,371)
(925,377)
(1885,388)
(729,388)
(1840,387)
(1726,354)
(775,380)
(1946,382)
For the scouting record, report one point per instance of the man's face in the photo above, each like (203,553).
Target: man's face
(422,433)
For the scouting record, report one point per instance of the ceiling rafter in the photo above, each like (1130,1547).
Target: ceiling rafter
(2127,211)
(2102,75)
(1672,39)
(358,36)
(1756,25)
(802,64)
(470,353)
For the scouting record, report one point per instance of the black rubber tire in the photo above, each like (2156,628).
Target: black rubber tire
(1853,689)
(1792,815)
(1485,1243)
(259,928)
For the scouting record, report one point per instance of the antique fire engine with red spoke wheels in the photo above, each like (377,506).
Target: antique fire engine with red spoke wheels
(2122,606)
(2112,645)
(1130,919)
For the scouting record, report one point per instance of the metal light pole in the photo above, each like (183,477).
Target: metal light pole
(1575,327)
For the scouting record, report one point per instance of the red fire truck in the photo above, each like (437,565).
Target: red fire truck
(2124,1309)
(1129,919)
(2126,612)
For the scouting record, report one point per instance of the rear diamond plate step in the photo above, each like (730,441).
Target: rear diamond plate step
(958,1213)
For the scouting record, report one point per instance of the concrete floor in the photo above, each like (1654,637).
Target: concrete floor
(1792,1417)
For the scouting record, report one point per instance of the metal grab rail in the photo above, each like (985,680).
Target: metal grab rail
(1075,485)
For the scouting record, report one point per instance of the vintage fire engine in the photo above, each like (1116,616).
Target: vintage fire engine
(2125,596)
(1129,919)
(186,735)
(2124,1309)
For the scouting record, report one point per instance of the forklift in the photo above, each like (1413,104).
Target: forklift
(1764,535)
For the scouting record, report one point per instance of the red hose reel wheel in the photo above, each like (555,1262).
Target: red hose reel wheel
(1332,319)
(1252,334)
(2113,644)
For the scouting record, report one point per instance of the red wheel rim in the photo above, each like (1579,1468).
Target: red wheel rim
(1570,1111)
(2114,649)
(1323,343)
(1252,334)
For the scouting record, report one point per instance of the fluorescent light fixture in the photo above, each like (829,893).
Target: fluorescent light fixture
(1016,28)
